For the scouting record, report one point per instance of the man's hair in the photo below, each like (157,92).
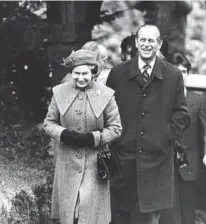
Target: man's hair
(180,59)
(149,25)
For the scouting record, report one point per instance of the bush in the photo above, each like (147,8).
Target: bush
(27,154)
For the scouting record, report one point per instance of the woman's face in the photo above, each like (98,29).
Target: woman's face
(82,76)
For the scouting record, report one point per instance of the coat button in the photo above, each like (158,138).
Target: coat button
(140,151)
(141,133)
(81,95)
(144,95)
(143,114)
(98,92)
(79,156)
(79,112)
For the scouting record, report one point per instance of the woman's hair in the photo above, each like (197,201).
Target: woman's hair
(99,49)
(92,46)
(180,59)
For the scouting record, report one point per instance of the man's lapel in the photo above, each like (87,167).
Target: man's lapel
(135,73)
(157,72)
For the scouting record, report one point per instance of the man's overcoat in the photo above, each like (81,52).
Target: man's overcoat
(76,176)
(152,116)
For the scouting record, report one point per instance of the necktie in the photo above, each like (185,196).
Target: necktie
(145,74)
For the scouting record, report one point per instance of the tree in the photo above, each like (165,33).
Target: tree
(24,63)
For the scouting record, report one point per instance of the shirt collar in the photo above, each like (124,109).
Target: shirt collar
(185,91)
(141,63)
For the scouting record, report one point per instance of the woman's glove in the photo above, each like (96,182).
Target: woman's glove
(85,140)
(68,137)
(77,139)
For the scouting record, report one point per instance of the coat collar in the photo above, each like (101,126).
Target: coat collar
(157,70)
(98,95)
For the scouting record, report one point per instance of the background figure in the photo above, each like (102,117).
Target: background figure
(128,48)
(102,61)
(150,96)
(188,178)
(83,118)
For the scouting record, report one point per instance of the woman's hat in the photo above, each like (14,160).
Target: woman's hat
(80,57)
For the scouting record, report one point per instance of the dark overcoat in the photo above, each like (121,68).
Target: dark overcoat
(192,175)
(152,116)
(194,137)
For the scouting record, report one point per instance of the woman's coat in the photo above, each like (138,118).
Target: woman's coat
(93,110)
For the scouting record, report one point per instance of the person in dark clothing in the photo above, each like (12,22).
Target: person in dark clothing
(150,95)
(128,48)
(188,177)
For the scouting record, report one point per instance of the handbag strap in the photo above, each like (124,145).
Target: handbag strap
(105,165)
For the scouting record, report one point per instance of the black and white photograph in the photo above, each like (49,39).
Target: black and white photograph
(103,112)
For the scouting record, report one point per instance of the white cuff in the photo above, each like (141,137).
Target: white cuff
(97,138)
(204,160)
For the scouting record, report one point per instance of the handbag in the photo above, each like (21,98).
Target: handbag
(108,165)
(180,155)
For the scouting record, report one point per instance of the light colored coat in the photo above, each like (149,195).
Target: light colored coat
(76,178)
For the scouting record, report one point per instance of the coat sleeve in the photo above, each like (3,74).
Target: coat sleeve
(180,118)
(52,121)
(112,125)
(202,117)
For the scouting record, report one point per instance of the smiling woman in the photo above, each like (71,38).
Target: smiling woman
(83,118)
(82,76)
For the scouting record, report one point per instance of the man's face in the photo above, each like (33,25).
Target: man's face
(184,72)
(148,42)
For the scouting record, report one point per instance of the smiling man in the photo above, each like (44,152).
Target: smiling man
(150,95)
